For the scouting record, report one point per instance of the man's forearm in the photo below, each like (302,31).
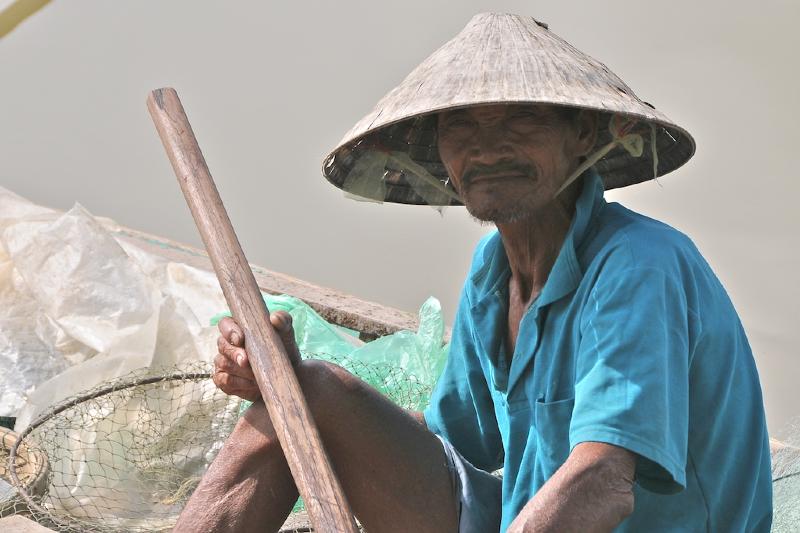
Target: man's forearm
(591,492)
(248,487)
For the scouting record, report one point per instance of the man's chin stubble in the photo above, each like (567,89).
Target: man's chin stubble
(487,217)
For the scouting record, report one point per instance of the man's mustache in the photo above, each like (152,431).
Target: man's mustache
(478,171)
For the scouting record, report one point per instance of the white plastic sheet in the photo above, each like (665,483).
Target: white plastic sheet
(77,307)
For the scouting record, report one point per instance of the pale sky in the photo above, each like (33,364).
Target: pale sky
(271,87)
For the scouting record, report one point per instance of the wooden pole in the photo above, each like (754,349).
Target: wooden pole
(326,503)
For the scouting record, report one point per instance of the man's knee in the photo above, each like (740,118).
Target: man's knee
(254,433)
(326,384)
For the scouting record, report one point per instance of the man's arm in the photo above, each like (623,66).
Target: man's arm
(591,492)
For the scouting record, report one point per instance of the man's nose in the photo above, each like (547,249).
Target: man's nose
(490,146)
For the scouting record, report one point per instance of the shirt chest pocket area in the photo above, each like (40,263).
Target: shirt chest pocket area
(551,421)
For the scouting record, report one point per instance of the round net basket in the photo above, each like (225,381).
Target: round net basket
(124,456)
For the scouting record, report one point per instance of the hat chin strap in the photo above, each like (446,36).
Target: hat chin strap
(621,135)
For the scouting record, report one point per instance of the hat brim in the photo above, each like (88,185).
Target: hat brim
(496,59)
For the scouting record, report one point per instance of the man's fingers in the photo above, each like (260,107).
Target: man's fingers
(236,385)
(282,322)
(231,331)
(234,353)
(223,363)
(231,342)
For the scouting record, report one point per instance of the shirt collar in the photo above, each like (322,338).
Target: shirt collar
(492,276)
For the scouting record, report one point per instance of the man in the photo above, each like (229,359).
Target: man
(595,357)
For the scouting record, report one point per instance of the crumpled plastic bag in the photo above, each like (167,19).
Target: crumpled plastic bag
(78,307)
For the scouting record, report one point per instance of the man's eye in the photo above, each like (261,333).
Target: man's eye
(525,115)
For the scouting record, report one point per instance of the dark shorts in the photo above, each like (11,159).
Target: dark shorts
(478,494)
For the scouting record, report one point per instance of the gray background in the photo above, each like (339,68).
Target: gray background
(271,87)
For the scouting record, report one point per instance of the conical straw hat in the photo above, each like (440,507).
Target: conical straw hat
(391,154)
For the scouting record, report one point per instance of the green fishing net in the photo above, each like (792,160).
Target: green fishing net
(403,366)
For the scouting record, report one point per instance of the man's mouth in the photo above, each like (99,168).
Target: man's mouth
(504,171)
(498,176)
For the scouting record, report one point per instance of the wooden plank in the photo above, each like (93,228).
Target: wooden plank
(290,415)
(20,524)
(370,318)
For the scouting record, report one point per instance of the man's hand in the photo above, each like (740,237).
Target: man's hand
(232,372)
(591,492)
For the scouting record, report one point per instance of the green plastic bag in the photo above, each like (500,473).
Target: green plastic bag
(404,366)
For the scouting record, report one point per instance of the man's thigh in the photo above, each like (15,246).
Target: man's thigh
(394,471)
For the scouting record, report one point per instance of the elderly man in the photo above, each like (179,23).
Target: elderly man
(595,356)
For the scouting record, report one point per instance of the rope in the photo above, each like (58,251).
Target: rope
(621,135)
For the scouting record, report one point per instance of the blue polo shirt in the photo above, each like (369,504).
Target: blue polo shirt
(633,342)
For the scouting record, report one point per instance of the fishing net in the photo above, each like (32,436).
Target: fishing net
(786,482)
(126,455)
(31,467)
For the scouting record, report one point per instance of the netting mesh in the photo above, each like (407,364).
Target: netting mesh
(403,388)
(786,482)
(126,455)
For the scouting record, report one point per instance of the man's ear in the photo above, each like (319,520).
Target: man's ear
(586,123)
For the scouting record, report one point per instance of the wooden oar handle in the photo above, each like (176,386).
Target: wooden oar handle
(287,407)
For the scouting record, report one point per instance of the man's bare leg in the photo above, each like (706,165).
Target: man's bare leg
(392,469)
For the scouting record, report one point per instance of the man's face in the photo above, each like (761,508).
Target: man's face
(508,161)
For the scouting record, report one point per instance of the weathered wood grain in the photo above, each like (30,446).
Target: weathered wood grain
(289,412)
(20,524)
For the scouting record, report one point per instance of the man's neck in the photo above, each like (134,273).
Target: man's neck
(532,246)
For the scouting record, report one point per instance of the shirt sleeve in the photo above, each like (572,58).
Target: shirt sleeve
(632,373)
(461,408)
